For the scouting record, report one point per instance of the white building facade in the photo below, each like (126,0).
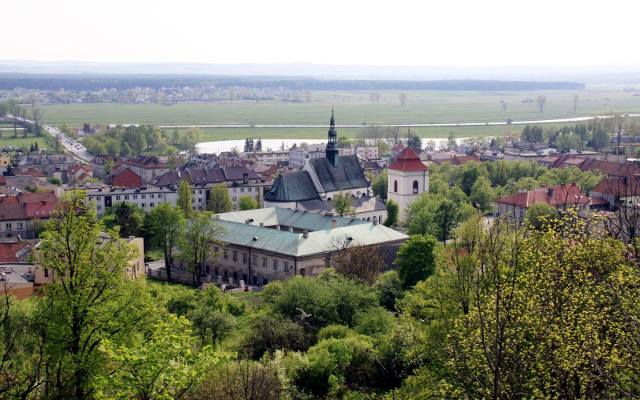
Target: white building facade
(408,179)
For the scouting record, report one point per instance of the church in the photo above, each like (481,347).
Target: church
(314,187)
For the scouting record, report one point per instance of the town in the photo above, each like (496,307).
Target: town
(319,201)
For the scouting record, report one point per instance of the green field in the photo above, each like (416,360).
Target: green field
(355,108)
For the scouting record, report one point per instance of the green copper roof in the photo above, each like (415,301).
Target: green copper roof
(238,232)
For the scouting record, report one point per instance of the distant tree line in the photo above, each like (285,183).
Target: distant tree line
(9,81)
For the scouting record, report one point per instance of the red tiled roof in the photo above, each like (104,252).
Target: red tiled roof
(9,251)
(553,196)
(408,160)
(27,205)
(621,186)
(150,162)
(34,172)
(609,167)
(126,178)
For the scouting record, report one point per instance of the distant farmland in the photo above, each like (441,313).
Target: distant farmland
(356,107)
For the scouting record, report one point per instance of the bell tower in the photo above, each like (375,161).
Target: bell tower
(331,150)
(408,179)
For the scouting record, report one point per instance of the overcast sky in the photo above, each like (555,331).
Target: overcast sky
(392,32)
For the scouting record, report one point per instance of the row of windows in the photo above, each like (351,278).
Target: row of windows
(275,263)
(130,196)
(8,226)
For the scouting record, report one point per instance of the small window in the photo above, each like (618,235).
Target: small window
(135,197)
(159,195)
(144,196)
(235,255)
(254,260)
(415,187)
(286,266)
(7,225)
(126,197)
(225,254)
(244,258)
(19,225)
(117,197)
(46,272)
(264,262)
(275,264)
(395,186)
(151,195)
(144,205)
(150,205)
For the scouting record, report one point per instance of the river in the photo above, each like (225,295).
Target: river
(219,146)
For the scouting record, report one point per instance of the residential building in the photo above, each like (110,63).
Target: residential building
(561,197)
(299,155)
(149,168)
(408,178)
(240,181)
(21,214)
(146,197)
(126,178)
(268,157)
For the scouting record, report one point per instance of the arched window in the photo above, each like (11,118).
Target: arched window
(375,219)
(415,187)
(395,186)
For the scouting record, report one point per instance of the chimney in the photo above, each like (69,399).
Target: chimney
(305,234)
(245,177)
(333,224)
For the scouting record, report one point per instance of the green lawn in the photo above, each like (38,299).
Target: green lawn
(7,140)
(355,108)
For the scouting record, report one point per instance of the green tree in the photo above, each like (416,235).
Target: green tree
(128,217)
(392,213)
(416,261)
(166,224)
(219,200)
(342,203)
(158,365)
(184,198)
(482,195)
(90,301)
(600,139)
(379,184)
(247,202)
(200,236)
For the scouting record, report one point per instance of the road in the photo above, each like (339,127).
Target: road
(415,125)
(70,145)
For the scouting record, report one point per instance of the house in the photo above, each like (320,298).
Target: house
(320,179)
(126,178)
(263,245)
(79,173)
(561,197)
(149,168)
(21,214)
(618,191)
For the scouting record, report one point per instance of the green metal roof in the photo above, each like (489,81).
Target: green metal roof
(295,244)
(302,220)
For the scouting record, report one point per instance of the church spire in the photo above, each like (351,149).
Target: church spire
(331,150)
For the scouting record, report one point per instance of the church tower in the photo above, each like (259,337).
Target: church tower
(331,150)
(408,178)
